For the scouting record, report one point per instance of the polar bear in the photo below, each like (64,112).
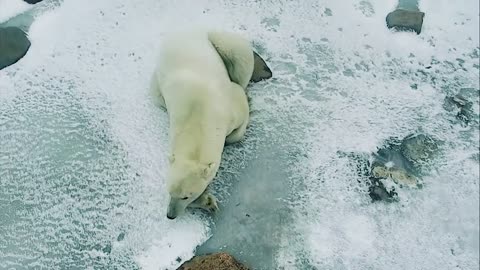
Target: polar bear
(200,80)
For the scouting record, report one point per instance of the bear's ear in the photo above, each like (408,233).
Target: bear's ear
(171,158)
(207,171)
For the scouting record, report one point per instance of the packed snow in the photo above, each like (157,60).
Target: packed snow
(83,150)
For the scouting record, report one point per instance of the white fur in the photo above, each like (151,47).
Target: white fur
(205,108)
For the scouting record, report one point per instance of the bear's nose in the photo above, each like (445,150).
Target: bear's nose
(170,217)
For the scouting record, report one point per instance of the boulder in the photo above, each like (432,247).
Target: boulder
(215,261)
(406,20)
(14,44)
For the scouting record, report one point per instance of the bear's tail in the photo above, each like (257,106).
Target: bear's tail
(237,55)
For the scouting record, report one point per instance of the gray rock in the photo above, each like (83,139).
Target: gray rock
(14,44)
(408,20)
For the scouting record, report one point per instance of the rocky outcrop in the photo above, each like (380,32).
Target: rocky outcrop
(402,161)
(14,44)
(215,261)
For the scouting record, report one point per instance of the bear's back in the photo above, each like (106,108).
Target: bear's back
(192,51)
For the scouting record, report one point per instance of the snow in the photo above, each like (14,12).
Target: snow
(11,8)
(83,150)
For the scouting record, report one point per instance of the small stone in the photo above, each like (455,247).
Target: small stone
(14,44)
(402,19)
(107,249)
(215,261)
(121,236)
(328,12)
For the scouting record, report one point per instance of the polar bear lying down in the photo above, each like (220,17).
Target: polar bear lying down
(200,79)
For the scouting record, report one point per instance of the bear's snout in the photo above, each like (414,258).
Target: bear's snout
(171,213)
(175,207)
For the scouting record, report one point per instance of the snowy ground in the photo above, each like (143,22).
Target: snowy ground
(83,150)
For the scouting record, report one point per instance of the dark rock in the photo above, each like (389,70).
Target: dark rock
(464,115)
(408,20)
(378,192)
(455,102)
(215,261)
(33,1)
(260,69)
(462,105)
(14,44)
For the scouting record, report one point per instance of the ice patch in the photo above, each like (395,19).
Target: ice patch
(163,251)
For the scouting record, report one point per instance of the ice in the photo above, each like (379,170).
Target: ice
(83,150)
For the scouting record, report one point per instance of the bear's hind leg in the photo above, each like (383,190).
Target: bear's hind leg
(237,135)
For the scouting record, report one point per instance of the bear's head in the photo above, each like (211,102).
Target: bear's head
(187,180)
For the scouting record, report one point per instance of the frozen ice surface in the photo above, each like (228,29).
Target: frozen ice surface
(83,150)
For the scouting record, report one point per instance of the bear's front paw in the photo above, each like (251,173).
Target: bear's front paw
(211,204)
(207,202)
